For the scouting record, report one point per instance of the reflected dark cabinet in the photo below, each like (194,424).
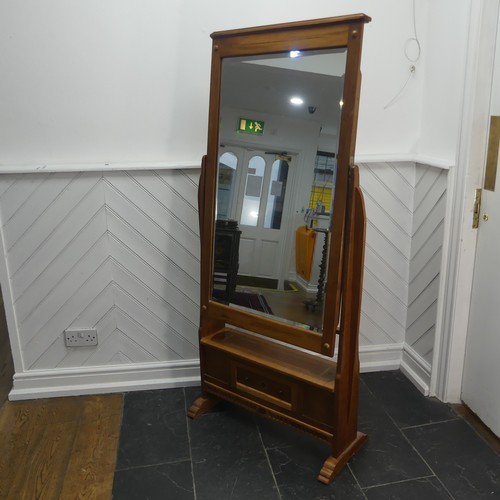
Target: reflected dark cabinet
(267,364)
(226,256)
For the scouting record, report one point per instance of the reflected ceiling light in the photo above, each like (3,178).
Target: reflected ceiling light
(295,53)
(341,103)
(297,101)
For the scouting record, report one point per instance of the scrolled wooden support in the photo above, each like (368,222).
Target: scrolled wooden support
(202,405)
(333,465)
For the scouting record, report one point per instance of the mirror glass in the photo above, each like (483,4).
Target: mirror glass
(279,132)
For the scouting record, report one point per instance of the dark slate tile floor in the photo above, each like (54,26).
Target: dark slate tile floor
(418,448)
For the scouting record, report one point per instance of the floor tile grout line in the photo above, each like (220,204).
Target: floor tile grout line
(366,488)
(156,464)
(418,453)
(356,479)
(267,458)
(428,424)
(189,443)
(408,441)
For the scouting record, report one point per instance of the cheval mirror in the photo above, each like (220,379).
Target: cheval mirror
(282,228)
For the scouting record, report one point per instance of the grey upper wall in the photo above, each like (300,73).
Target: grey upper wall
(128,81)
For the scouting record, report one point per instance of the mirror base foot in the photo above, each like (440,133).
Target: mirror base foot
(333,465)
(201,405)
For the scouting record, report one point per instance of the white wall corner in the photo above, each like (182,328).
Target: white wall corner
(416,369)
(34,384)
(8,305)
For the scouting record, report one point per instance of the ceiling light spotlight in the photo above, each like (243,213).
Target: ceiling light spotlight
(297,101)
(295,53)
(341,103)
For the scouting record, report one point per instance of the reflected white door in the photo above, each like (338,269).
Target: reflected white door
(260,206)
(481,379)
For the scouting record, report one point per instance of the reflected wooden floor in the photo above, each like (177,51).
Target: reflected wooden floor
(59,448)
(289,304)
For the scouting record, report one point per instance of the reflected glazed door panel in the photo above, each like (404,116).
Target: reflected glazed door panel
(268,257)
(247,252)
(259,204)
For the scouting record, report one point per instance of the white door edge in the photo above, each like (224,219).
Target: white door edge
(459,249)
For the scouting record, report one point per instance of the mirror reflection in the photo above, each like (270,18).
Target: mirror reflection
(279,133)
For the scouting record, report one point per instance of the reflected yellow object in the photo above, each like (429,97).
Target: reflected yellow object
(323,194)
(305,239)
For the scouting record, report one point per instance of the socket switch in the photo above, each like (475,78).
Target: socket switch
(80,338)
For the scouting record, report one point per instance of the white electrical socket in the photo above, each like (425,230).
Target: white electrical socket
(80,338)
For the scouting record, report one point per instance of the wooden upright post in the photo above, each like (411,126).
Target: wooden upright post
(346,439)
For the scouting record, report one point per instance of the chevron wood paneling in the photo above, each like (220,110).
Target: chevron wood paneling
(115,251)
(388,191)
(119,252)
(405,205)
(425,261)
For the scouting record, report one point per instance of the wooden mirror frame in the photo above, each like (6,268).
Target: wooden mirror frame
(240,360)
(329,33)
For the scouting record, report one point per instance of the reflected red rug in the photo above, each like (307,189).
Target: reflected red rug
(254,301)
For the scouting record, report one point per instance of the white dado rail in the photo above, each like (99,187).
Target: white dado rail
(97,167)
(159,165)
(115,247)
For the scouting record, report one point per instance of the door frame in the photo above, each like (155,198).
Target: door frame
(459,249)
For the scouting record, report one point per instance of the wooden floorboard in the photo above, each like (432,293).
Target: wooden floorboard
(93,458)
(60,447)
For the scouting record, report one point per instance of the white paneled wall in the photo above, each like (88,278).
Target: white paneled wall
(405,206)
(425,263)
(114,251)
(388,191)
(119,252)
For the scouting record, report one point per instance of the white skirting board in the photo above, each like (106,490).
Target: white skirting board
(416,369)
(307,287)
(104,380)
(379,358)
(134,377)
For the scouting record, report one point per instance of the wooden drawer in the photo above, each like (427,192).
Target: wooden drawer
(264,386)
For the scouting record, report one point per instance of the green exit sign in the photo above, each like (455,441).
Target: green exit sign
(251,126)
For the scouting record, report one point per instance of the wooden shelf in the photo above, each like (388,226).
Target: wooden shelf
(294,363)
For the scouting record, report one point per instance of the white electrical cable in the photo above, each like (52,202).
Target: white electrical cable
(414,39)
(394,99)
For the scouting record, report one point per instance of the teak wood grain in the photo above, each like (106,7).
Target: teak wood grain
(253,360)
(59,448)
